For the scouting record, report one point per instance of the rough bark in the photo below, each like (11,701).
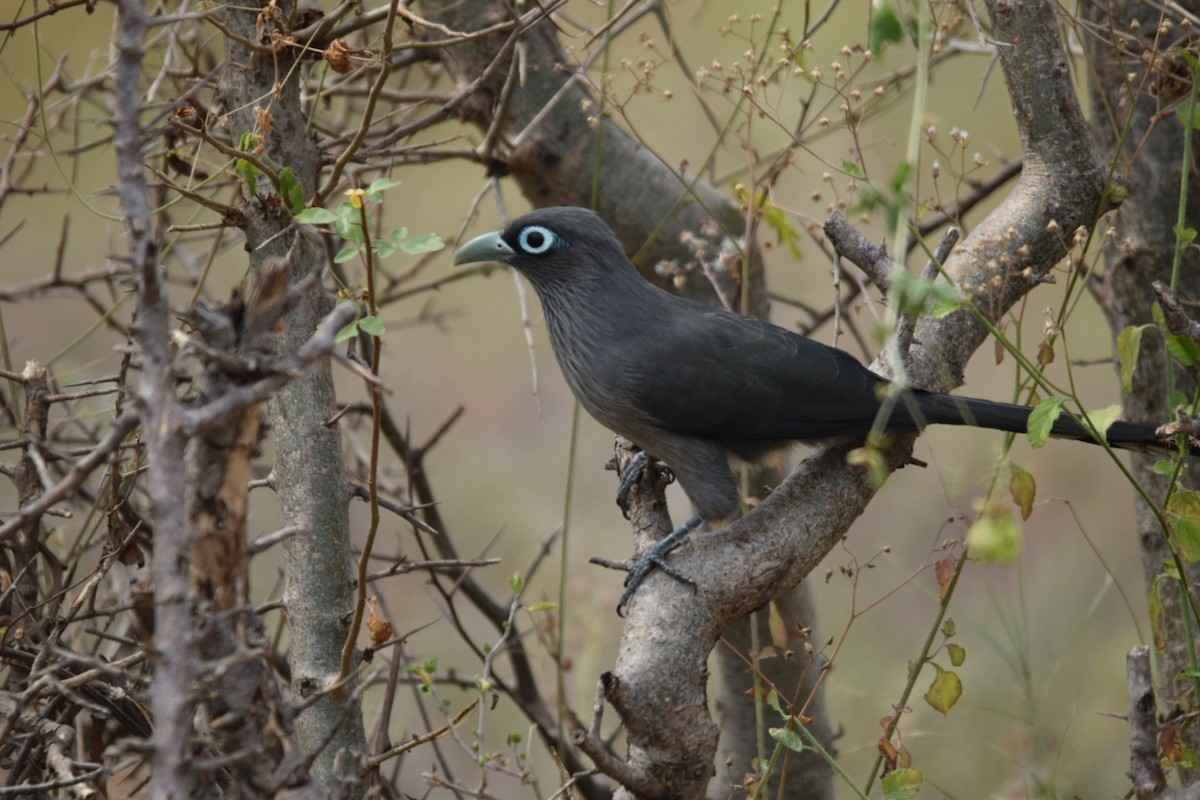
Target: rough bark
(1129,96)
(309,478)
(248,720)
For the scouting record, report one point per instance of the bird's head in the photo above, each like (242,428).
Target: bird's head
(552,245)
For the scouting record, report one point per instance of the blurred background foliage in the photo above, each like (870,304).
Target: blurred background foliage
(1045,637)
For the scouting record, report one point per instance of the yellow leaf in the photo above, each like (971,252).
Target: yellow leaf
(778,627)
(945,690)
(1023,489)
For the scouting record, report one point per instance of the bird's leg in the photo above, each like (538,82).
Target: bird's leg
(629,476)
(656,557)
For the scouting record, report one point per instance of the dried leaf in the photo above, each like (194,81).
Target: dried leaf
(1023,489)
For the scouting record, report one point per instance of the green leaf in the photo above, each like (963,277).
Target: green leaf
(773,702)
(295,197)
(350,230)
(1102,418)
(347,254)
(348,223)
(1183,511)
(1188,759)
(1188,114)
(912,294)
(316,216)
(1042,420)
(885,27)
(785,232)
(372,326)
(1184,348)
(995,538)
(957,653)
(898,183)
(1129,345)
(945,690)
(425,243)
(249,173)
(1158,622)
(544,606)
(902,784)
(348,332)
(1023,489)
(1188,235)
(379,185)
(1164,467)
(788,738)
(945,307)
(517,582)
(1116,193)
(287,182)
(1156,313)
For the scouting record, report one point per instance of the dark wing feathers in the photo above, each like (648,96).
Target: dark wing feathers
(743,380)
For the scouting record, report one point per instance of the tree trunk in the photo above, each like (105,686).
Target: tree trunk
(309,473)
(1147,147)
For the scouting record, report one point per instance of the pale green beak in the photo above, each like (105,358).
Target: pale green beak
(489,247)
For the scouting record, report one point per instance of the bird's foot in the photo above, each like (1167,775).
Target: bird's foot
(629,477)
(655,556)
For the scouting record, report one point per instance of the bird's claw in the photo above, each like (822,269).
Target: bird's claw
(629,477)
(653,557)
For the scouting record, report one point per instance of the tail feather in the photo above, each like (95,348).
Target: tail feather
(944,409)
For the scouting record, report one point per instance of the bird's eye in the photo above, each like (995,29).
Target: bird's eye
(535,240)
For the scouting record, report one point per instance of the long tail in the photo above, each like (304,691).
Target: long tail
(944,409)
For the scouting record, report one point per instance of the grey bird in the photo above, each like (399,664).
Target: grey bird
(694,386)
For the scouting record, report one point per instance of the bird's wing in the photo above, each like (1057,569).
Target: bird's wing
(722,376)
